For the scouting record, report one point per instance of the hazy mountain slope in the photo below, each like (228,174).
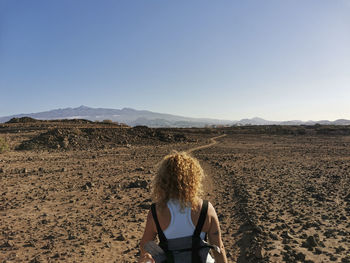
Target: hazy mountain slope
(126,115)
(134,117)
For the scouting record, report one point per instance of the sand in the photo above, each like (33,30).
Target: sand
(280,198)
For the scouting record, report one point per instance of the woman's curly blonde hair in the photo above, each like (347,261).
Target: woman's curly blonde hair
(179,177)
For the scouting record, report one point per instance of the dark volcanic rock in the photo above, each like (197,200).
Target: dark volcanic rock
(138,184)
(85,138)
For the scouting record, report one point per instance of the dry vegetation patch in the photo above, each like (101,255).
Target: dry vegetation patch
(4,145)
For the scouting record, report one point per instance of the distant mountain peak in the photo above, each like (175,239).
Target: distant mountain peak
(127,109)
(257,119)
(83,107)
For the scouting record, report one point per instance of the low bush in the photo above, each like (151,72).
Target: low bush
(107,121)
(4,146)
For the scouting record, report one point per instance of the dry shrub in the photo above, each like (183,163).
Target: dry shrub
(107,121)
(4,146)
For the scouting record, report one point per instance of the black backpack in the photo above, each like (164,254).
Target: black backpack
(191,249)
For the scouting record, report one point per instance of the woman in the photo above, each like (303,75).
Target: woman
(176,187)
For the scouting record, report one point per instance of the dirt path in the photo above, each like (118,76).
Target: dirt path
(227,193)
(213,142)
(217,191)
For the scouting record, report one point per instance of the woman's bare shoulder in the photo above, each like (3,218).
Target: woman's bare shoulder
(211,210)
(200,204)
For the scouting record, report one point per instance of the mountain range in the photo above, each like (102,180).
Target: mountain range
(134,117)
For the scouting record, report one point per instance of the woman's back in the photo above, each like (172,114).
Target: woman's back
(164,217)
(181,230)
(181,223)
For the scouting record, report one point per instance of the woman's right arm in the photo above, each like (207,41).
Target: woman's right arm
(214,235)
(149,234)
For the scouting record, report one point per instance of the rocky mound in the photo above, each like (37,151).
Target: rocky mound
(97,138)
(32,120)
(22,120)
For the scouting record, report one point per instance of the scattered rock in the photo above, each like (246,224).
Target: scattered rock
(300,256)
(318,251)
(333,258)
(330,233)
(30,244)
(145,206)
(7,244)
(44,221)
(71,236)
(310,242)
(273,236)
(120,238)
(285,234)
(347,198)
(88,185)
(345,259)
(65,142)
(138,184)
(339,249)
(49,237)
(325,217)
(319,197)
(57,255)
(259,252)
(310,189)
(36,259)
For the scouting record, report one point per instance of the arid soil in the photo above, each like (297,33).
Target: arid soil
(280,198)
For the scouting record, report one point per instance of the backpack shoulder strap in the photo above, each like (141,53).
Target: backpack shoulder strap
(201,220)
(163,240)
(161,235)
(196,235)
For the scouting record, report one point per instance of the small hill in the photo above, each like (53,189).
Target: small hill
(99,138)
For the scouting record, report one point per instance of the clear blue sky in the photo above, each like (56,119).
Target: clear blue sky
(279,60)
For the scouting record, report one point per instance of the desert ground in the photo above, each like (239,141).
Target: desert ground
(80,192)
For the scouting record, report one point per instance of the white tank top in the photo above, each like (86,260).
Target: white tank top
(181,224)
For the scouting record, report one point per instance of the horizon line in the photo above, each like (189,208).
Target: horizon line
(180,115)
